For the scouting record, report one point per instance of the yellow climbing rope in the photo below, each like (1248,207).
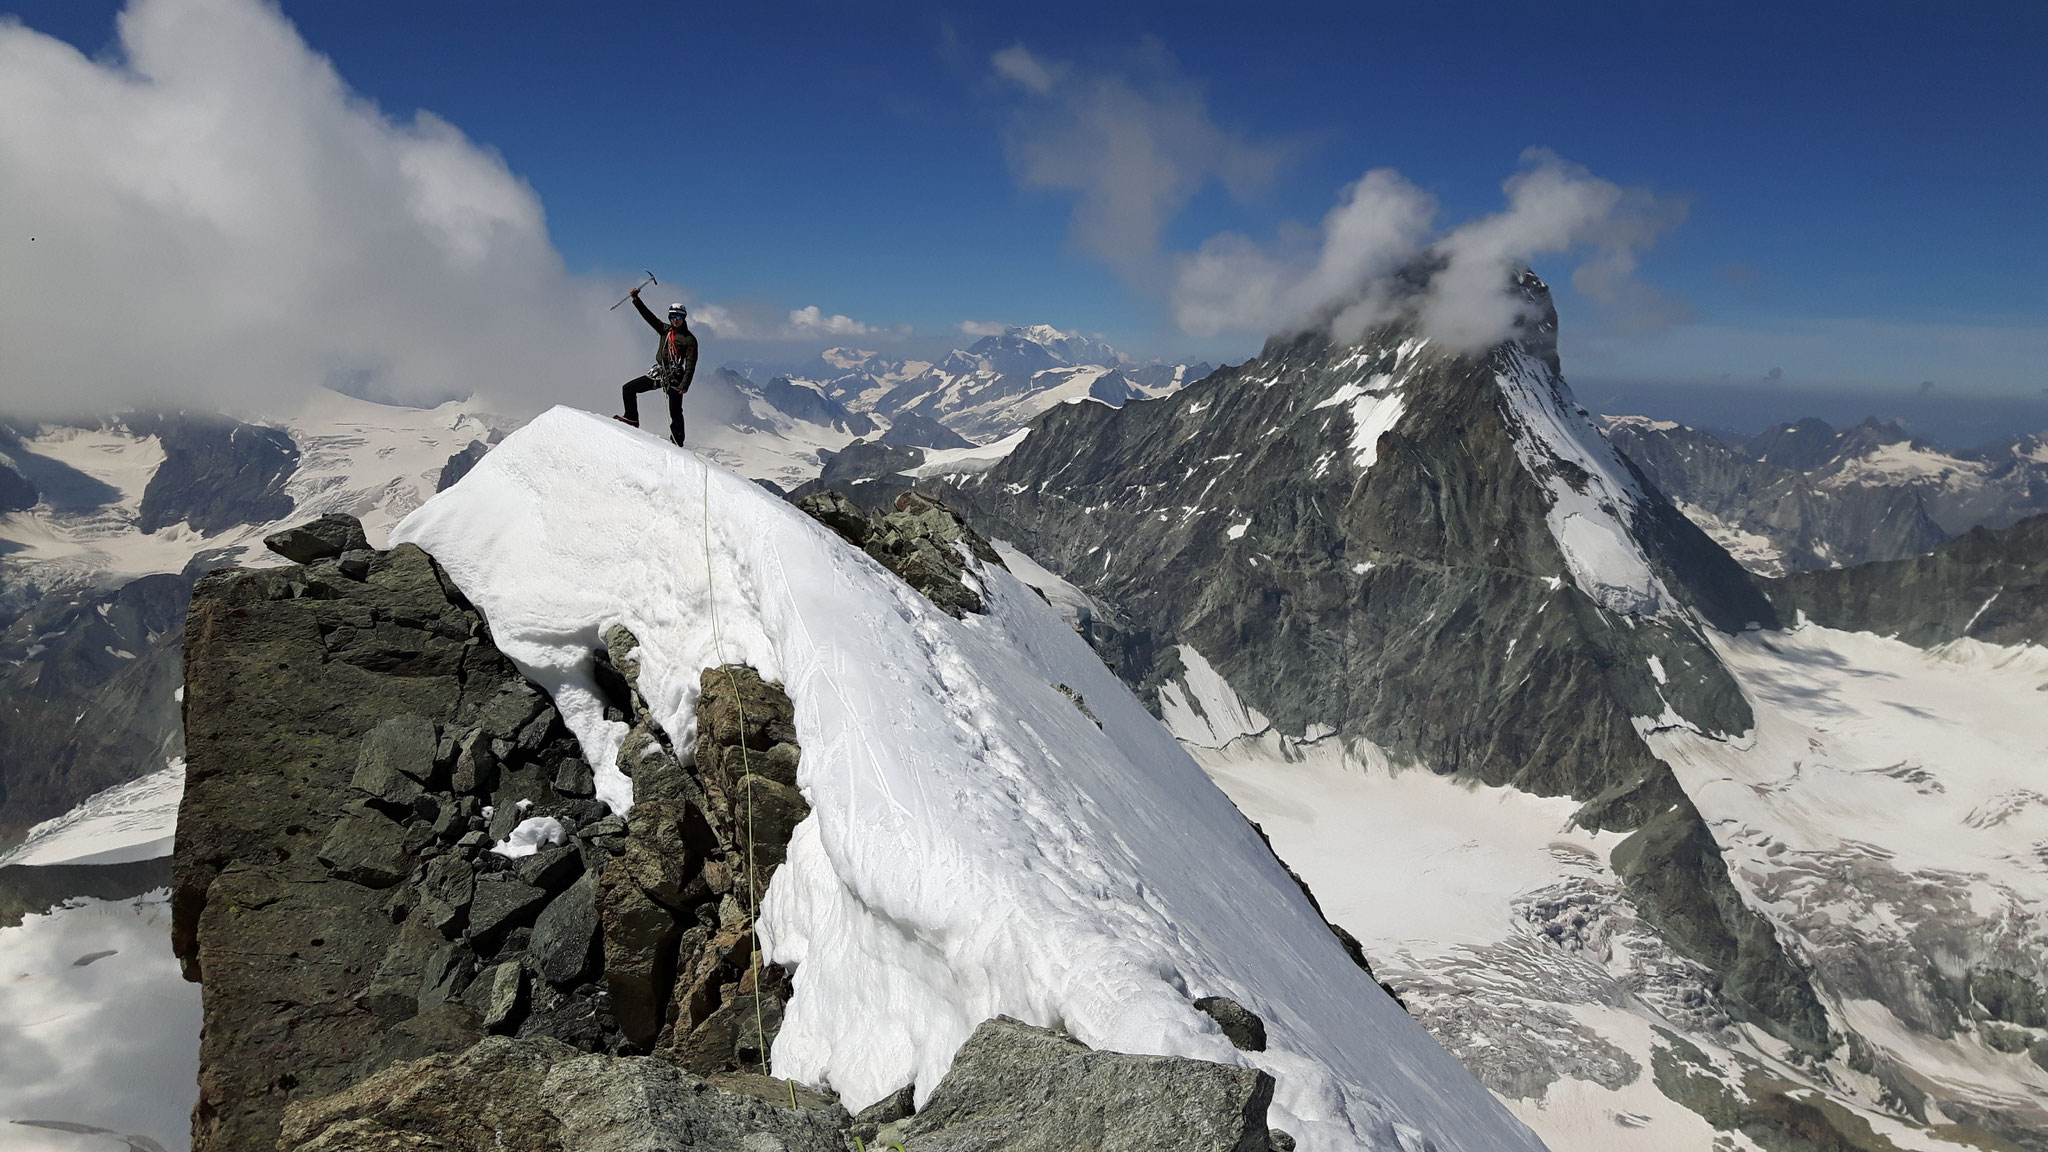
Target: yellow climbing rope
(746,768)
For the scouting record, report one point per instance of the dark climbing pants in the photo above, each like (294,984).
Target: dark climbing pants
(639,384)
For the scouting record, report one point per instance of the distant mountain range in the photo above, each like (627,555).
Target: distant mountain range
(994,386)
(1806,495)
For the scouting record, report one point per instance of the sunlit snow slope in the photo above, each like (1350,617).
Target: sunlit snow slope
(125,823)
(977,844)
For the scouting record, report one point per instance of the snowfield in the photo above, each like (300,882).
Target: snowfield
(128,822)
(1888,813)
(373,461)
(977,844)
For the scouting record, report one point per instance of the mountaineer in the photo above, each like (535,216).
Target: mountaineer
(675,363)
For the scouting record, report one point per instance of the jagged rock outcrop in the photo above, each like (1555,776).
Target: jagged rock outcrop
(540,1095)
(459,464)
(1015,1088)
(355,744)
(329,537)
(922,540)
(861,464)
(1432,551)
(1012,1087)
(1987,584)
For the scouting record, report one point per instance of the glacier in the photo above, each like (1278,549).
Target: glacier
(978,845)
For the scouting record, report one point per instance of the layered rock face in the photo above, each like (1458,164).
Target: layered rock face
(1433,552)
(1988,584)
(88,695)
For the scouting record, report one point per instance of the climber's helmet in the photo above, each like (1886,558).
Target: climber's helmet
(677,313)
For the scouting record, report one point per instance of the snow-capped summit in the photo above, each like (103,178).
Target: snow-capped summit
(1036,347)
(979,842)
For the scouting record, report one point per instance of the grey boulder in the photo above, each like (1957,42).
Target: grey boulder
(329,536)
(539,1095)
(563,936)
(1022,1089)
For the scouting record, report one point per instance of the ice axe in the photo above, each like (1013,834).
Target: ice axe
(628,296)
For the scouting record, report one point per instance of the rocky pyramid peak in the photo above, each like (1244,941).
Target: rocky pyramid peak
(1427,551)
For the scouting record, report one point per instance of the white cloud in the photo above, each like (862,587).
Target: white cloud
(1017,64)
(1232,284)
(980,328)
(717,320)
(757,323)
(1343,274)
(1133,151)
(812,321)
(1554,207)
(219,220)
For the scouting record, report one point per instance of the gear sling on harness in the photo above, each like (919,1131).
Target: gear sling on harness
(675,363)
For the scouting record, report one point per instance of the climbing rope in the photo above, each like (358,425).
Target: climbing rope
(746,768)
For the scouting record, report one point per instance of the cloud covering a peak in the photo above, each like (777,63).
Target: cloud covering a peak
(1133,152)
(1342,275)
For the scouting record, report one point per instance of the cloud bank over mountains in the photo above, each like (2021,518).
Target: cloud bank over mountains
(218,220)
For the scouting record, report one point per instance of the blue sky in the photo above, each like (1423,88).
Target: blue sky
(1860,184)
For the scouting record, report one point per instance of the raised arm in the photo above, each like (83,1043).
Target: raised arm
(653,321)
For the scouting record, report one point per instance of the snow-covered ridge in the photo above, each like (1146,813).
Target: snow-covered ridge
(977,843)
(1593,495)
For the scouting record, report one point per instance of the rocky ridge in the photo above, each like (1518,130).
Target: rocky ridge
(1989,585)
(376,975)
(342,853)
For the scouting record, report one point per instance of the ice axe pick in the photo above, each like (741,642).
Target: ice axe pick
(628,296)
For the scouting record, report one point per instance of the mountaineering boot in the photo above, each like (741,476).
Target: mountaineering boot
(627,420)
